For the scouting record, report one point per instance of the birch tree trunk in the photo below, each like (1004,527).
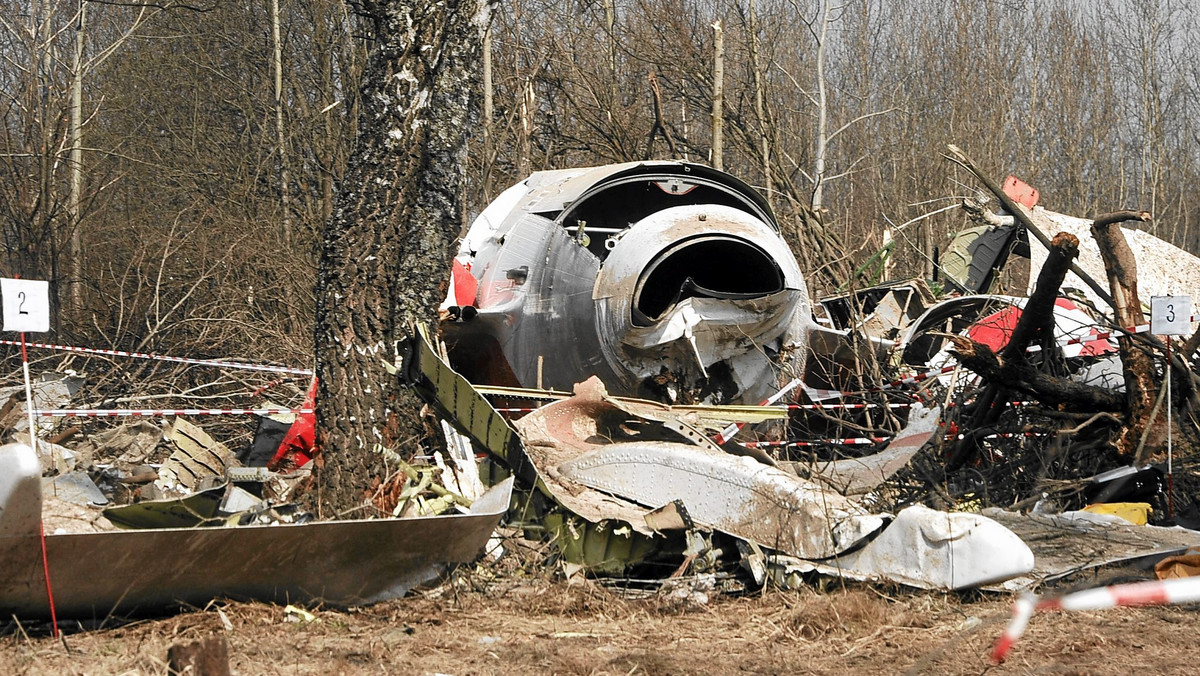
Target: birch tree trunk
(760,109)
(489,112)
(718,98)
(277,68)
(822,140)
(387,248)
(75,197)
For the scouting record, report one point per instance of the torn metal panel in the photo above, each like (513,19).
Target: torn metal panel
(976,257)
(1063,544)
(732,494)
(75,487)
(929,549)
(460,472)
(53,391)
(197,509)
(882,310)
(197,457)
(671,516)
(640,274)
(132,442)
(337,562)
(859,476)
(587,442)
(715,416)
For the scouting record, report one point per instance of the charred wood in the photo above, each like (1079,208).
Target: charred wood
(1019,375)
(1138,366)
(1037,319)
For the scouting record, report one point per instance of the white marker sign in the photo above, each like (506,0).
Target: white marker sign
(1171,315)
(26,305)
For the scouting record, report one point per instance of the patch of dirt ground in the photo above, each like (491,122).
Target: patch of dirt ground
(545,628)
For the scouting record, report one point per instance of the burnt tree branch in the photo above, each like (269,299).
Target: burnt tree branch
(1037,319)
(1011,371)
(1018,374)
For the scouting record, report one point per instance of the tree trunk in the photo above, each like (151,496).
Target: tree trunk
(387,248)
(760,109)
(489,112)
(718,97)
(822,140)
(1140,383)
(75,196)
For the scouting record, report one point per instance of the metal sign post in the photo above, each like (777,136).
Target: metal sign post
(26,309)
(1170,316)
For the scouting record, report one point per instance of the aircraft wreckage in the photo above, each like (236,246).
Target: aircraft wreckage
(670,282)
(616,339)
(662,279)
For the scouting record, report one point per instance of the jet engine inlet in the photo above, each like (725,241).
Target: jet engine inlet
(707,266)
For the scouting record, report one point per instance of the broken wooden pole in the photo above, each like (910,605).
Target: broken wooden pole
(958,156)
(1037,317)
(1137,365)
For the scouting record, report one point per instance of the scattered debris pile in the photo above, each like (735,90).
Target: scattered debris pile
(1007,424)
(138,517)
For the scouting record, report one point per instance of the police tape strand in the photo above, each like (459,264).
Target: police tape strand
(1147,593)
(865,441)
(158,357)
(161,412)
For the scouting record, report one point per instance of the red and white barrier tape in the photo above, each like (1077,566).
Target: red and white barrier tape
(1103,335)
(1149,593)
(1001,435)
(849,441)
(845,407)
(864,441)
(159,412)
(728,433)
(158,357)
(790,407)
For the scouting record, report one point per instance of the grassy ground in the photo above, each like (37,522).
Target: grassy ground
(557,628)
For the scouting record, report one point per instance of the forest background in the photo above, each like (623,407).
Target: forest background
(169,167)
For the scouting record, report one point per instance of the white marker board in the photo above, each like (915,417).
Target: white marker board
(1171,315)
(26,305)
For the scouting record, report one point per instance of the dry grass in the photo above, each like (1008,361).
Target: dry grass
(557,628)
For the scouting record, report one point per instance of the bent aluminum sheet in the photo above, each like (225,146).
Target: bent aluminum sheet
(734,494)
(583,442)
(338,562)
(859,476)
(929,549)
